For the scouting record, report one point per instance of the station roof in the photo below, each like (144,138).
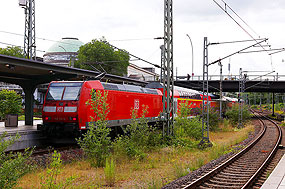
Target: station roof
(23,71)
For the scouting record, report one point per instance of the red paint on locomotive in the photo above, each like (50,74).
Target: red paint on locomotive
(121,101)
(65,102)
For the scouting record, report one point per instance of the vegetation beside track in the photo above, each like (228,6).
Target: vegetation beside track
(141,157)
(12,166)
(159,167)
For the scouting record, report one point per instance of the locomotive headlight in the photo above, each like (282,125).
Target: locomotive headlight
(49,108)
(70,109)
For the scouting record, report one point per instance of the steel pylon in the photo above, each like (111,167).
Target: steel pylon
(30,34)
(167,70)
(205,142)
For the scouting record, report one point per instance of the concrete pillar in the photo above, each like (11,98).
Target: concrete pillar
(29,104)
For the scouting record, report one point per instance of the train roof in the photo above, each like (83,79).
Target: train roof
(109,86)
(129,88)
(158,85)
(230,99)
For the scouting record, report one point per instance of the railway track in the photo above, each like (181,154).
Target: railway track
(242,169)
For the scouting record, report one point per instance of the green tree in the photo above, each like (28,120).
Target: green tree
(13,51)
(10,103)
(99,54)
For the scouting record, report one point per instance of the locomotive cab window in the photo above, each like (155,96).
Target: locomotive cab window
(55,93)
(71,93)
(64,91)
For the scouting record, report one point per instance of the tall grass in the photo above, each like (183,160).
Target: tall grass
(109,172)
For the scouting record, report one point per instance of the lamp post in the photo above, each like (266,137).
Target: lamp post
(192,55)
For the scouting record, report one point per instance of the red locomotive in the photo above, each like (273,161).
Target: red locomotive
(65,107)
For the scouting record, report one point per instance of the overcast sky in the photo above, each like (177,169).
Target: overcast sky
(132,25)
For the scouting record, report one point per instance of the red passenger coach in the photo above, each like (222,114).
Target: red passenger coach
(65,107)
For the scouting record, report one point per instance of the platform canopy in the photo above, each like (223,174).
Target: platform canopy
(29,73)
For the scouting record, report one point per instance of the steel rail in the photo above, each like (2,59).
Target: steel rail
(208,175)
(269,157)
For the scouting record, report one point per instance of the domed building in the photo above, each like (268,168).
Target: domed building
(63,52)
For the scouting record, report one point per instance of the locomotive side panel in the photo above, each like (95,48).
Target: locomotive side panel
(120,104)
(85,111)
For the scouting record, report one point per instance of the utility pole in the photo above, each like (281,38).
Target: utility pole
(221,88)
(167,69)
(205,142)
(162,63)
(30,34)
(240,99)
(192,55)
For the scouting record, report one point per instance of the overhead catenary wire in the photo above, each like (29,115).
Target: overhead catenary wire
(137,39)
(155,65)
(12,33)
(9,44)
(240,18)
(44,39)
(214,62)
(278,50)
(239,41)
(225,10)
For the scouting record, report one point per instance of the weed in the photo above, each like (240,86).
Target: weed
(197,163)
(50,179)
(154,184)
(226,126)
(109,172)
(151,163)
(268,173)
(217,151)
(180,170)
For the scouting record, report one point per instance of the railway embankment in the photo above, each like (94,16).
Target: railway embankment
(159,167)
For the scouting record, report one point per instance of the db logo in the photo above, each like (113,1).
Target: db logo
(137,104)
(59,109)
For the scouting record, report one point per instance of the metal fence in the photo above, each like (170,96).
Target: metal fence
(235,77)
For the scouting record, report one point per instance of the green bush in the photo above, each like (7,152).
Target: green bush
(279,107)
(96,143)
(138,136)
(214,116)
(254,106)
(12,166)
(214,119)
(233,114)
(184,126)
(10,103)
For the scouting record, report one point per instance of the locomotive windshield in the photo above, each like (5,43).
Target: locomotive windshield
(64,91)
